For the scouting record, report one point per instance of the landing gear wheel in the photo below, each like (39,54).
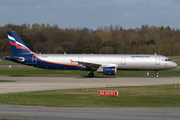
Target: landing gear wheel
(91,75)
(157,74)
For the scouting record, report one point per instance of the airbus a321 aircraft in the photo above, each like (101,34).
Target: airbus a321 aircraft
(107,64)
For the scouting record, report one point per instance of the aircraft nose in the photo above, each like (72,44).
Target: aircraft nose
(174,65)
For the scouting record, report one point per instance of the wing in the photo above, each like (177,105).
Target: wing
(96,66)
(93,66)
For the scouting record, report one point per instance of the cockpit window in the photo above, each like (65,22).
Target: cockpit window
(168,60)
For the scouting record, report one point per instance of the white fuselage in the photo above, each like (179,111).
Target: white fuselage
(121,61)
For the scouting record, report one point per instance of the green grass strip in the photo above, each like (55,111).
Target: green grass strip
(9,119)
(7,62)
(139,96)
(32,71)
(7,81)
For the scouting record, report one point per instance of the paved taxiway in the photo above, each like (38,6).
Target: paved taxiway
(62,113)
(24,84)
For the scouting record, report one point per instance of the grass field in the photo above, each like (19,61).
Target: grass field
(7,81)
(32,71)
(143,96)
(9,119)
(7,62)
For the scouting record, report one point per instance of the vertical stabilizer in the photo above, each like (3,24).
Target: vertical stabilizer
(17,45)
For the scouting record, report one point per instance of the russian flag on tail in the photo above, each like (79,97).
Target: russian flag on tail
(17,45)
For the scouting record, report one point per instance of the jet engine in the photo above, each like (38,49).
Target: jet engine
(108,70)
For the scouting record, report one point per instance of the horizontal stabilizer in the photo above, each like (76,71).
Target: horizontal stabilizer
(20,59)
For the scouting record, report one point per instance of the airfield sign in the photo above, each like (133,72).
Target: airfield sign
(107,93)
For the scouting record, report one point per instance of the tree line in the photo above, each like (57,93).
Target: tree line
(42,38)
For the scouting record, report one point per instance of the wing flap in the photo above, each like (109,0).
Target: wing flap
(96,66)
(90,65)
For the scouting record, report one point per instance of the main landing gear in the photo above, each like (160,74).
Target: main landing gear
(157,74)
(91,74)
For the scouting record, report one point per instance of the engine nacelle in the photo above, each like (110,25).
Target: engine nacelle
(108,70)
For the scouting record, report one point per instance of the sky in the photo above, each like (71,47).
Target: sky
(91,13)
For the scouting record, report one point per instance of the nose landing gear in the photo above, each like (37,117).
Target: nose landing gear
(157,74)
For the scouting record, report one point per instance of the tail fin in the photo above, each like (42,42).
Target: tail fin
(17,45)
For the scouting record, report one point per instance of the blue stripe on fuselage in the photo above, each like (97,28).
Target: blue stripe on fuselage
(48,65)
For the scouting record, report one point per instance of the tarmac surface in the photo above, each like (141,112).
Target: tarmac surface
(24,84)
(69,113)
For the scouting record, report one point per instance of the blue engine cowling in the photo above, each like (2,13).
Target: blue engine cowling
(109,70)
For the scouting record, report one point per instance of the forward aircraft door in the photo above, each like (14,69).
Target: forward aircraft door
(157,60)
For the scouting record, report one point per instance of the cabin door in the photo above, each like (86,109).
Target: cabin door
(157,60)
(123,61)
(34,60)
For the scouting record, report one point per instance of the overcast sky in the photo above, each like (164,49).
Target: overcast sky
(91,13)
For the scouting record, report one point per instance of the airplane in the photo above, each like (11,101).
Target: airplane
(108,64)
